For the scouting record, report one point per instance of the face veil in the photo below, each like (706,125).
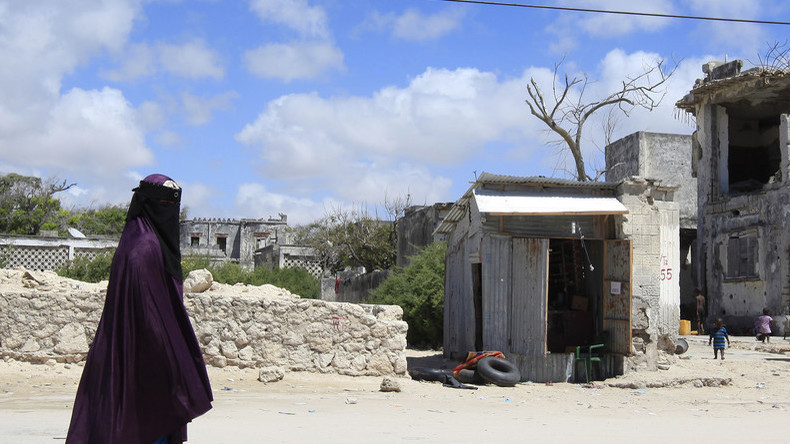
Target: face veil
(158,199)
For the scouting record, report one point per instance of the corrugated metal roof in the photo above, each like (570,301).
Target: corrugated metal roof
(517,203)
(489,178)
(457,211)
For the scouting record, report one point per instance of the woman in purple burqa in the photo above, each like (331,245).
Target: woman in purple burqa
(144,378)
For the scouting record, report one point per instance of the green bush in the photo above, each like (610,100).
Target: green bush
(296,280)
(419,290)
(88,270)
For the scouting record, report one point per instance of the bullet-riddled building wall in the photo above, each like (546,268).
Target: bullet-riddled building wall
(743,191)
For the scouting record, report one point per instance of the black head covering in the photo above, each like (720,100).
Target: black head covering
(158,199)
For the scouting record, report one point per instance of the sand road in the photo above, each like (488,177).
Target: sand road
(645,407)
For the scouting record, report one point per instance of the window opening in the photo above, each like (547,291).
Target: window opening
(754,155)
(222,243)
(194,241)
(742,250)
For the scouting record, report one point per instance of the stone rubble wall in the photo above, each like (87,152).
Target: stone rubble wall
(46,319)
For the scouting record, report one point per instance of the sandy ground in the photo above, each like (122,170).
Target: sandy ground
(646,407)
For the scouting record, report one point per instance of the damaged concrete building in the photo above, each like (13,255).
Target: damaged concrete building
(664,157)
(231,240)
(538,266)
(741,163)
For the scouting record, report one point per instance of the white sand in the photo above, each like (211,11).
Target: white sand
(36,401)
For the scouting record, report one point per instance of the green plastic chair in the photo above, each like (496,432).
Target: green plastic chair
(592,353)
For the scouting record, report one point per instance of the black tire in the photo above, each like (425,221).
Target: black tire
(470,376)
(428,374)
(498,371)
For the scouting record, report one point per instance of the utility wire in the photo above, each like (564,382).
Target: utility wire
(604,11)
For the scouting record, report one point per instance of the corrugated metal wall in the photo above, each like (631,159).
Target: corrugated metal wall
(455,304)
(542,226)
(459,324)
(554,367)
(528,304)
(497,253)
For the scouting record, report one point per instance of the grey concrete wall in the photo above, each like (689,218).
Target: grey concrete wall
(352,288)
(660,156)
(415,230)
(652,227)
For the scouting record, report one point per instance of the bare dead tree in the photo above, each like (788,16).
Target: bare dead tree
(566,111)
(355,236)
(776,57)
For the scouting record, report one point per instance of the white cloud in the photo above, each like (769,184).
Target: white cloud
(190,60)
(257,201)
(744,9)
(138,60)
(366,147)
(747,39)
(169,139)
(151,115)
(297,60)
(41,41)
(309,21)
(418,26)
(613,25)
(569,26)
(87,131)
(202,199)
(199,109)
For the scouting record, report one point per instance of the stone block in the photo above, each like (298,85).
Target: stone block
(198,281)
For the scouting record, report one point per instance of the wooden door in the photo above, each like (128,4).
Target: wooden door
(617,295)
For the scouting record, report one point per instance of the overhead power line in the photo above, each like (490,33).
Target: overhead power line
(605,11)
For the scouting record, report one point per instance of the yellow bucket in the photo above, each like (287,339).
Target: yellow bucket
(685,327)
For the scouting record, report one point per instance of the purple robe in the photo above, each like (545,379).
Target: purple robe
(144,377)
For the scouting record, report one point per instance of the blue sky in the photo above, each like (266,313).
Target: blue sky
(261,107)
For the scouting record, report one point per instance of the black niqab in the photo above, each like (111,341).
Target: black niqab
(161,206)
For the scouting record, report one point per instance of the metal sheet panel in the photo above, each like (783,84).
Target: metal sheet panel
(554,367)
(458,310)
(617,295)
(526,203)
(542,226)
(529,296)
(458,210)
(496,266)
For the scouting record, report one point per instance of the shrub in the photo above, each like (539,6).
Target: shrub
(88,270)
(419,290)
(296,280)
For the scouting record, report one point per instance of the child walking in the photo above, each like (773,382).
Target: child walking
(718,335)
(762,326)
